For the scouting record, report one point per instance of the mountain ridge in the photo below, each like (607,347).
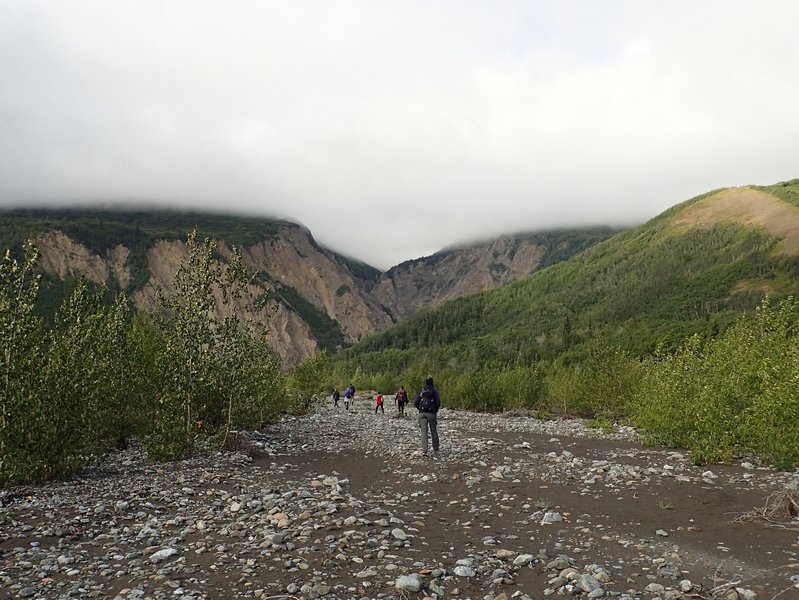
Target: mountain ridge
(320,299)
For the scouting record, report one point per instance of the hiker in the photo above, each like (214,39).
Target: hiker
(427,403)
(379,403)
(351,391)
(336,396)
(348,396)
(401,398)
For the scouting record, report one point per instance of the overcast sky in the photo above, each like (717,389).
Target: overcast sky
(393,129)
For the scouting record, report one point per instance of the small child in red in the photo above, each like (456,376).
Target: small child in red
(379,403)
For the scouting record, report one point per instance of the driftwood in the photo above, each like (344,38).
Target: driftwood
(781,509)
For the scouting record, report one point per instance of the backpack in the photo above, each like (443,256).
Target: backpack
(427,400)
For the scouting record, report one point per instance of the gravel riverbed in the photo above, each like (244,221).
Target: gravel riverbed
(341,504)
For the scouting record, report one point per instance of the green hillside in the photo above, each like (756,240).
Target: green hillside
(646,288)
(684,326)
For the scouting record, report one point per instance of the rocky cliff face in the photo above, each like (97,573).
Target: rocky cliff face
(63,257)
(454,273)
(294,260)
(288,334)
(304,281)
(291,259)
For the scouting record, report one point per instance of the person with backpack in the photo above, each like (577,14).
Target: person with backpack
(350,393)
(401,398)
(336,396)
(428,402)
(379,403)
(347,397)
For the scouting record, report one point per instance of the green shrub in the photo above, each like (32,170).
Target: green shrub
(495,390)
(735,394)
(306,381)
(600,385)
(216,370)
(64,390)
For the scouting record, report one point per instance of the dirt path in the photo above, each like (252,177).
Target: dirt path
(611,521)
(342,505)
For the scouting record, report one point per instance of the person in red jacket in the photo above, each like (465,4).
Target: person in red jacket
(379,403)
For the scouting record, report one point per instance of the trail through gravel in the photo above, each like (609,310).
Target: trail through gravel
(342,505)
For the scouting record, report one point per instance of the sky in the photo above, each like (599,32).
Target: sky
(392,129)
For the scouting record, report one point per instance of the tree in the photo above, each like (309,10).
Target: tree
(307,379)
(217,369)
(21,348)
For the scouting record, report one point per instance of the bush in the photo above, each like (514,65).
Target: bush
(216,370)
(494,390)
(601,385)
(738,393)
(97,377)
(64,390)
(306,381)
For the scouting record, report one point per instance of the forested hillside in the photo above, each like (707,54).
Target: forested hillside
(464,270)
(576,337)
(645,288)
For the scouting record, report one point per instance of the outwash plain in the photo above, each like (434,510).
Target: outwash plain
(340,504)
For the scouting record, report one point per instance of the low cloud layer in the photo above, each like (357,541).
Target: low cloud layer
(392,129)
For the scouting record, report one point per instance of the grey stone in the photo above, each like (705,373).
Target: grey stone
(412,583)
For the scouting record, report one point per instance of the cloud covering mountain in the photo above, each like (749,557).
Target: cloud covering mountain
(394,129)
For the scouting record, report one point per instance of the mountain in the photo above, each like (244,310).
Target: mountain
(318,298)
(692,269)
(465,270)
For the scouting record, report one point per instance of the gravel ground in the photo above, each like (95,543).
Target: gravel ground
(341,504)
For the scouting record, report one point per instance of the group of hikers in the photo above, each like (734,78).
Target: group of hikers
(427,403)
(349,396)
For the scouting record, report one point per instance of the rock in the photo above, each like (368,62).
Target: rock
(412,583)
(745,594)
(588,583)
(551,517)
(162,555)
(523,559)
(559,563)
(293,518)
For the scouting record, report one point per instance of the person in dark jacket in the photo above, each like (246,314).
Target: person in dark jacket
(428,403)
(401,398)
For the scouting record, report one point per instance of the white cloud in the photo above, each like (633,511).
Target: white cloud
(392,129)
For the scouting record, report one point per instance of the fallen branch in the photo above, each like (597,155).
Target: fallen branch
(781,509)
